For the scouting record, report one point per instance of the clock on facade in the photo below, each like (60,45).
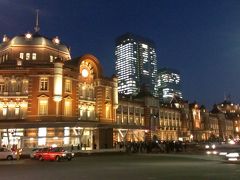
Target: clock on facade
(85,72)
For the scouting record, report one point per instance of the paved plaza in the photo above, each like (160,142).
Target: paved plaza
(122,167)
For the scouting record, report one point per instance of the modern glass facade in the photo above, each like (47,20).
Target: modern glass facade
(168,84)
(136,64)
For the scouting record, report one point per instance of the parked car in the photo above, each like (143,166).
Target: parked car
(37,152)
(56,154)
(7,154)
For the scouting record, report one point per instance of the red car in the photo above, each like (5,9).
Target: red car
(55,154)
(36,153)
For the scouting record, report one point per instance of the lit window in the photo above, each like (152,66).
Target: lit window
(80,112)
(42,132)
(43,107)
(19,62)
(68,86)
(66,135)
(43,84)
(17,110)
(88,113)
(51,58)
(34,56)
(108,111)
(1,87)
(21,55)
(68,107)
(5,109)
(27,56)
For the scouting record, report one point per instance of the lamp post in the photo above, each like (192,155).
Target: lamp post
(152,125)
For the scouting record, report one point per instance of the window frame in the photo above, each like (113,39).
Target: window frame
(28,56)
(34,56)
(68,86)
(45,81)
(39,106)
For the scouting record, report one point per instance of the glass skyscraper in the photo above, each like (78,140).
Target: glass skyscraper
(136,64)
(168,84)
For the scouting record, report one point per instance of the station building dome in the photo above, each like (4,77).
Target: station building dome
(33,47)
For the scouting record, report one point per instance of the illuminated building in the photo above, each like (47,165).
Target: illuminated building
(210,123)
(170,122)
(48,98)
(136,64)
(130,115)
(232,112)
(168,84)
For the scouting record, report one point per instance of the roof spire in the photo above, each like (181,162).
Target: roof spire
(37,28)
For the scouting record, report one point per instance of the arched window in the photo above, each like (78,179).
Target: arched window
(43,106)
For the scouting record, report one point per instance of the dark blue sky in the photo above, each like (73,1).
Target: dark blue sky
(200,38)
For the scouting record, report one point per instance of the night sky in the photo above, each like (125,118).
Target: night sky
(200,38)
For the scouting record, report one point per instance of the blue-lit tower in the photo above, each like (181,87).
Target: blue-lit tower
(136,64)
(168,84)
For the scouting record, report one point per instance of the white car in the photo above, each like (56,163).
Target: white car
(7,154)
(233,156)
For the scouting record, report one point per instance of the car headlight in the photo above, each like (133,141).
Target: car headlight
(72,154)
(206,146)
(214,152)
(223,153)
(213,146)
(208,152)
(63,154)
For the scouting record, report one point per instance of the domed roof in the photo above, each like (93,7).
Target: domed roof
(35,40)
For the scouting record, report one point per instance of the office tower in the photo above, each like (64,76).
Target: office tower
(168,84)
(136,64)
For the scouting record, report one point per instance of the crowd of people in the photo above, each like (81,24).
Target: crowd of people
(153,146)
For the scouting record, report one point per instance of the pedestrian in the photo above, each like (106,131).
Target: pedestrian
(18,154)
(185,146)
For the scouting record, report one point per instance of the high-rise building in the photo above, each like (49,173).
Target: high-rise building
(168,84)
(136,64)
